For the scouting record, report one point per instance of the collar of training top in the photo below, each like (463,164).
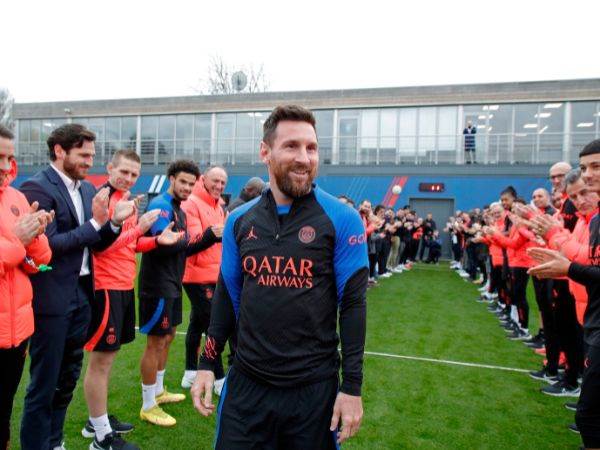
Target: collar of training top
(269,196)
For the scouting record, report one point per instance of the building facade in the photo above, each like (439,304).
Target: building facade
(369,138)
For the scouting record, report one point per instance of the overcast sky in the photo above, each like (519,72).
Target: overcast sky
(72,50)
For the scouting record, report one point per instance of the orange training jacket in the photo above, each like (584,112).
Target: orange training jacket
(115,267)
(16,314)
(575,246)
(202,212)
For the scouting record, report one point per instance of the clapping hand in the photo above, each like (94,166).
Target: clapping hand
(147,220)
(552,263)
(125,208)
(168,236)
(32,224)
(100,206)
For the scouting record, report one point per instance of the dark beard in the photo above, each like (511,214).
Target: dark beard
(71,170)
(287,186)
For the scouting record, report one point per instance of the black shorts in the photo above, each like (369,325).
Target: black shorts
(255,415)
(158,316)
(113,320)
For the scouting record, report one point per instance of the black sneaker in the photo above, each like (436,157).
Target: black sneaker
(543,375)
(561,389)
(534,345)
(573,428)
(519,335)
(116,425)
(112,441)
(571,406)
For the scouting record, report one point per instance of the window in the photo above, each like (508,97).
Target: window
(407,131)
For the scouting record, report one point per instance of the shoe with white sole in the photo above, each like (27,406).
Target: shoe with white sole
(188,379)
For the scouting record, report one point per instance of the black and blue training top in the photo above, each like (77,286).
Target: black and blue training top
(286,274)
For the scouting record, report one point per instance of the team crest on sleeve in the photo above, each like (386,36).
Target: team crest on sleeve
(307,234)
(15,210)
(164,213)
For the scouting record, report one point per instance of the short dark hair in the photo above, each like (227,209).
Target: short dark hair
(183,165)
(6,133)
(294,113)
(68,136)
(510,191)
(591,149)
(126,153)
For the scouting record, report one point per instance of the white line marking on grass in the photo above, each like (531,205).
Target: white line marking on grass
(446,361)
(433,360)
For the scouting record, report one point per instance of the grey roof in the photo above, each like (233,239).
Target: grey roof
(528,91)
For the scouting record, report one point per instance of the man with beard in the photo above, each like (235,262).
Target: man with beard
(161,275)
(61,297)
(292,260)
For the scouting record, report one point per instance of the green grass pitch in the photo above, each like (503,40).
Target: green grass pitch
(427,312)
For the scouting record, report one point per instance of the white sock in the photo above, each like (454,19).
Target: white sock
(148,396)
(190,374)
(101,426)
(160,387)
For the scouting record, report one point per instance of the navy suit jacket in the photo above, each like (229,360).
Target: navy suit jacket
(53,291)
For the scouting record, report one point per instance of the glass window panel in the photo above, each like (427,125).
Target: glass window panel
(149,125)
(225,138)
(24,126)
(128,132)
(427,127)
(526,132)
(368,132)
(184,148)
(166,151)
(202,125)
(348,135)
(244,142)
(550,133)
(447,137)
(34,131)
(166,127)
(324,120)
(48,125)
(97,126)
(583,126)
(148,151)
(499,132)
(113,128)
(202,151)
(185,127)
(388,123)
(407,132)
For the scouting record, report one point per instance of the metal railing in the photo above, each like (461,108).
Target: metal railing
(492,148)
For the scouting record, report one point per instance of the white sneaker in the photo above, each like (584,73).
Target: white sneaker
(218,386)
(188,379)
(397,269)
(61,447)
(386,275)
(463,274)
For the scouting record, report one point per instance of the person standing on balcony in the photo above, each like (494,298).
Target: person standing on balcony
(469,134)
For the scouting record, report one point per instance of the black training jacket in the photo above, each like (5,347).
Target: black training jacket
(286,274)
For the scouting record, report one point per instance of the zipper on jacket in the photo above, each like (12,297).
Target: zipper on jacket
(13,317)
